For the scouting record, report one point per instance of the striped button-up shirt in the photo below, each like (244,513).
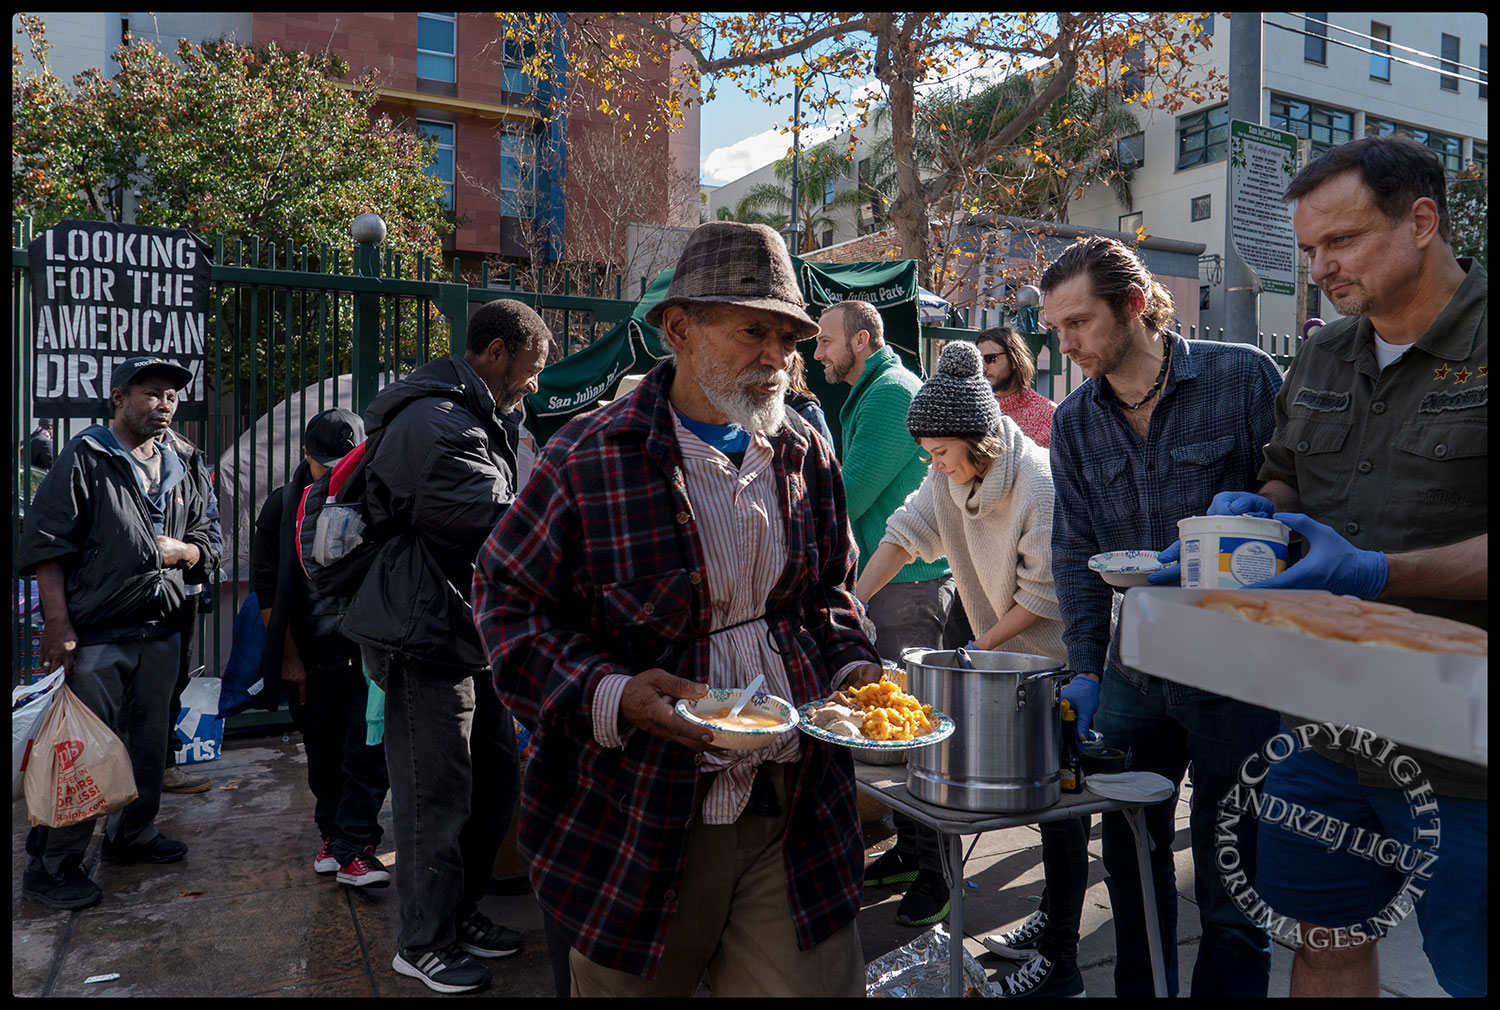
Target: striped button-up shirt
(744,544)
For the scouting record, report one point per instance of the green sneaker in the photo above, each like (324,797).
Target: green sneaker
(926,901)
(891,867)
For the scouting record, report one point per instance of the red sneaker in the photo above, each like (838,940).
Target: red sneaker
(364,870)
(323,862)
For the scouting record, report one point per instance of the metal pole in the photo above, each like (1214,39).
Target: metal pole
(1241,305)
(369,231)
(796,244)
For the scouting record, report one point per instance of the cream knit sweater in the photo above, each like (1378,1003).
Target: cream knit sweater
(997,536)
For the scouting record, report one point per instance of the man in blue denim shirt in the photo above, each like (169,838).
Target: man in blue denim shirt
(1161,426)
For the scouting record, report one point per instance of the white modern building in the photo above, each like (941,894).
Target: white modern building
(1328,77)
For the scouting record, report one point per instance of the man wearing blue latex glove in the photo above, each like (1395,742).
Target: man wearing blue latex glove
(1330,563)
(1225,503)
(1082,692)
(1380,459)
(1161,426)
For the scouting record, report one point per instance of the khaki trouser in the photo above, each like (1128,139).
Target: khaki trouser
(734,924)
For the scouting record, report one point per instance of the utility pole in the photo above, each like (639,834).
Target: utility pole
(1241,315)
(795,228)
(1304,155)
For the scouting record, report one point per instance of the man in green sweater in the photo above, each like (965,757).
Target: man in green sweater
(882,465)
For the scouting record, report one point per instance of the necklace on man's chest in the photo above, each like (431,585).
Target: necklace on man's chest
(1161,378)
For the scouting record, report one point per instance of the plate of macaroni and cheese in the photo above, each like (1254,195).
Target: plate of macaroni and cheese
(879,717)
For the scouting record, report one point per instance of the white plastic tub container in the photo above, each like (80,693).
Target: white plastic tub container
(1230,552)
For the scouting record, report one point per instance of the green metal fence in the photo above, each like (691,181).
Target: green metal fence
(293,330)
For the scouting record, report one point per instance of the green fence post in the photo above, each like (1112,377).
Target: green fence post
(369,232)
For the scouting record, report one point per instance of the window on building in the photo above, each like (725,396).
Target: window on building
(1129,223)
(437,48)
(1315,42)
(1314,300)
(514,55)
(1132,81)
(1482,156)
(1484,73)
(518,157)
(1130,151)
(1380,42)
(827,238)
(1202,207)
(828,192)
(124,31)
(442,159)
(1450,63)
(1207,24)
(1447,147)
(1203,137)
(1327,127)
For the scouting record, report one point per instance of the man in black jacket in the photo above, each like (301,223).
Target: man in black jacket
(114,527)
(321,669)
(440,471)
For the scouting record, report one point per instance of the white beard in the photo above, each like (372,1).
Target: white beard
(730,395)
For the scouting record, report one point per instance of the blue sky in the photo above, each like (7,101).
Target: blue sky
(738,134)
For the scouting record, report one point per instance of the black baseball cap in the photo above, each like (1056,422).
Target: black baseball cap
(332,434)
(131,368)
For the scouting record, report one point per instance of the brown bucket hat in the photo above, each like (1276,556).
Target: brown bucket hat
(737,264)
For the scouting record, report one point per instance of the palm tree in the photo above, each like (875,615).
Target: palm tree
(747,211)
(821,166)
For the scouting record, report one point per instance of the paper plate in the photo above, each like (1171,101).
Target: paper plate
(1125,568)
(1139,787)
(942,729)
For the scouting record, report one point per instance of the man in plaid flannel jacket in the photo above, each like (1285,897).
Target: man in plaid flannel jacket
(600,599)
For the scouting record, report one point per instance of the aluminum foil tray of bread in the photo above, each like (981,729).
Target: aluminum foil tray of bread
(1414,678)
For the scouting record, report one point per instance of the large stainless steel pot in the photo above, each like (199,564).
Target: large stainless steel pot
(1003,755)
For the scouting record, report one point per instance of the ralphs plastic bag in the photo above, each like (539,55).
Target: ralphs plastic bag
(28,703)
(78,768)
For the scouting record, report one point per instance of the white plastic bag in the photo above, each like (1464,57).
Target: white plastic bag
(28,703)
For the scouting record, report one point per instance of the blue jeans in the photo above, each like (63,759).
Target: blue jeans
(1164,727)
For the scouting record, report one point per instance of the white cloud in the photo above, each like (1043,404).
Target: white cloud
(726,164)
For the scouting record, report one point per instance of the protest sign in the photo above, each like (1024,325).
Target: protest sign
(103,292)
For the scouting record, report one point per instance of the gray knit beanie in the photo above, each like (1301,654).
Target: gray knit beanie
(956,402)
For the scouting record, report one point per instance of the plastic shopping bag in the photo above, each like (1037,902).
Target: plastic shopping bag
(28,703)
(78,768)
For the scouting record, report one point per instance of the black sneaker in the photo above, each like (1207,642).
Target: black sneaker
(447,970)
(160,849)
(483,938)
(891,867)
(1041,977)
(69,888)
(926,901)
(1020,943)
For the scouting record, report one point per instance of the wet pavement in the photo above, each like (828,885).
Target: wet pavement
(244,915)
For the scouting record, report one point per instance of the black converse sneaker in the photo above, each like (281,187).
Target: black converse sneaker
(446,970)
(1041,977)
(1020,943)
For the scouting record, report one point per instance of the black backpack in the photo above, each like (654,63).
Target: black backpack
(335,544)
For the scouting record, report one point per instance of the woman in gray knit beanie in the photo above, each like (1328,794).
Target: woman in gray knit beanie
(957,407)
(987,507)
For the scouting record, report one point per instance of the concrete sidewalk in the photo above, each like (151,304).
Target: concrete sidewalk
(244,914)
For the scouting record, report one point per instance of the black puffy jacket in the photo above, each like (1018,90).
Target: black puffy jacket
(90,516)
(441,473)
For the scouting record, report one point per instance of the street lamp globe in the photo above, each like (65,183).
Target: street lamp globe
(368,228)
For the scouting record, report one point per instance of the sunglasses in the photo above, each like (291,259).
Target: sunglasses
(990,359)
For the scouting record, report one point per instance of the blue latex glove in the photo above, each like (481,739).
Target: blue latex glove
(1083,694)
(1171,575)
(1225,503)
(1331,563)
